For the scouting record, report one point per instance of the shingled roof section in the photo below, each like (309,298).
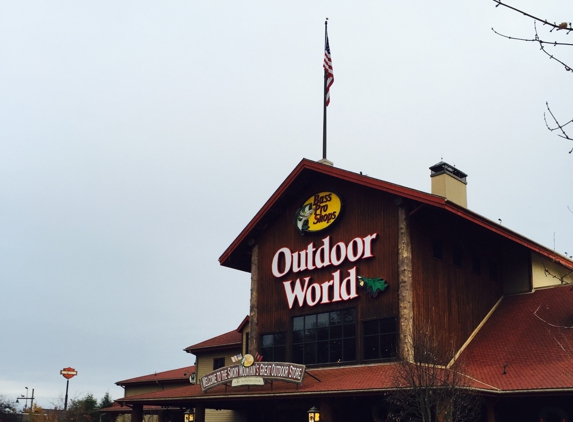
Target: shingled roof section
(345,380)
(172,375)
(530,338)
(228,340)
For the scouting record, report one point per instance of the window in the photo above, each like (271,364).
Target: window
(438,249)
(379,339)
(273,347)
(324,338)
(218,363)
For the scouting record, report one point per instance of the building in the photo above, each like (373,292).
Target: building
(151,383)
(349,273)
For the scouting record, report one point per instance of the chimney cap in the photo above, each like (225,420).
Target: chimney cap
(443,167)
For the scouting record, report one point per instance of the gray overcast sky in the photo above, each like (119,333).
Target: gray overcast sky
(138,138)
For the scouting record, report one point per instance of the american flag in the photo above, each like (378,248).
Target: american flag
(328,72)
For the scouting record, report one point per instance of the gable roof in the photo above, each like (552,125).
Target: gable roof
(237,255)
(532,334)
(228,340)
(179,374)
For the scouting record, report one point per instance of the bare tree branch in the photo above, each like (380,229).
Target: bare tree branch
(554,43)
(564,26)
(541,43)
(554,26)
(558,127)
(430,391)
(548,323)
(557,277)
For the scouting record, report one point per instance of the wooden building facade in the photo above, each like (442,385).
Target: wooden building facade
(348,273)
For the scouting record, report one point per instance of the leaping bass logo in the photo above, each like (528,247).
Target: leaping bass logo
(318,212)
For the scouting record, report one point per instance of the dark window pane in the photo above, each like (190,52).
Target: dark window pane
(371,349)
(322,333)
(280,354)
(327,337)
(268,340)
(349,330)
(298,337)
(336,350)
(309,335)
(349,352)
(387,346)
(310,321)
(388,325)
(218,363)
(380,345)
(322,352)
(349,315)
(336,331)
(298,324)
(280,339)
(336,318)
(298,353)
(322,320)
(370,327)
(309,353)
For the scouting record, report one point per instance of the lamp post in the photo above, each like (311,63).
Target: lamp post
(189,415)
(26,400)
(313,414)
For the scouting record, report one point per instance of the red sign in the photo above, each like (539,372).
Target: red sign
(68,373)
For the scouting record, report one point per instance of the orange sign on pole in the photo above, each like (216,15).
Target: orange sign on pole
(68,373)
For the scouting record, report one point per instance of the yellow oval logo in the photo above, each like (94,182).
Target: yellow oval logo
(318,212)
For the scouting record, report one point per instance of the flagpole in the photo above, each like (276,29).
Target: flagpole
(324,97)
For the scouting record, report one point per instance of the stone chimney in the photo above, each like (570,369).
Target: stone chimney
(449,182)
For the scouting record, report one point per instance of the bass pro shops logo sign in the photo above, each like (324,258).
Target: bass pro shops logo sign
(318,212)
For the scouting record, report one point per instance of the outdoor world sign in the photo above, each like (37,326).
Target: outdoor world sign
(341,287)
(255,374)
(317,213)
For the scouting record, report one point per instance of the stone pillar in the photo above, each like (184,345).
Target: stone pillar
(253,317)
(137,413)
(199,413)
(405,288)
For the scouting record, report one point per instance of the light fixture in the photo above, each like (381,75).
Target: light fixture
(189,415)
(313,414)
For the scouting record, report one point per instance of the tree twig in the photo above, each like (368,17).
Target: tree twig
(548,323)
(554,26)
(559,126)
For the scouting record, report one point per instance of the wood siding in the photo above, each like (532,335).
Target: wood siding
(450,300)
(365,211)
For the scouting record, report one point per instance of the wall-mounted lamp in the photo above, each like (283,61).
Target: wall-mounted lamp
(189,415)
(313,414)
